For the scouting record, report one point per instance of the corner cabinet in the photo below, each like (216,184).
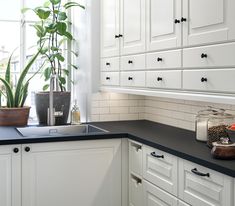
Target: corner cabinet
(169,48)
(65,173)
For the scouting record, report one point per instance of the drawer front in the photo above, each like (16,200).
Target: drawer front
(135,158)
(164,79)
(160,168)
(161,60)
(110,78)
(212,189)
(110,64)
(135,191)
(133,79)
(134,62)
(154,196)
(221,80)
(210,56)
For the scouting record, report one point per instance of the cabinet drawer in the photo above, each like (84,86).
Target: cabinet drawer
(135,158)
(110,78)
(210,56)
(134,62)
(161,60)
(135,191)
(110,64)
(221,80)
(133,79)
(154,196)
(160,168)
(164,79)
(212,188)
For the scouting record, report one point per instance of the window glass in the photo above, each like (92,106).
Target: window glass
(10,10)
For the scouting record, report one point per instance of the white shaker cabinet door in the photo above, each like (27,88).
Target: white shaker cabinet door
(208,21)
(132,26)
(10,175)
(85,173)
(110,44)
(163,24)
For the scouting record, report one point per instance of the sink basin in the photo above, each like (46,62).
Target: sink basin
(59,130)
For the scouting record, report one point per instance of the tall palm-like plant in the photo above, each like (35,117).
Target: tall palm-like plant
(53,32)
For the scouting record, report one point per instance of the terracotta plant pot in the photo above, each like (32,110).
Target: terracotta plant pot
(14,116)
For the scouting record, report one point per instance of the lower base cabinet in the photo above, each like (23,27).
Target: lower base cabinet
(135,191)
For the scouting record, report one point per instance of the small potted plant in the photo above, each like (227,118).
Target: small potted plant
(53,31)
(14,113)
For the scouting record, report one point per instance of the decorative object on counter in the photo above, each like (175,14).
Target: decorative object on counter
(201,123)
(15,113)
(223,149)
(53,31)
(75,114)
(217,124)
(231,131)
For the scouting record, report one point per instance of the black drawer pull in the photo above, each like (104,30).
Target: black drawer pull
(177,21)
(116,36)
(27,149)
(159,59)
(183,19)
(196,172)
(203,79)
(130,78)
(130,62)
(16,150)
(203,55)
(107,64)
(120,35)
(159,79)
(157,156)
(107,78)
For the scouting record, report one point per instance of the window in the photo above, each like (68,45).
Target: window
(18,34)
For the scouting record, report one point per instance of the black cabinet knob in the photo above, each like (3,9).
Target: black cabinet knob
(159,79)
(130,62)
(16,150)
(27,149)
(107,78)
(120,35)
(203,55)
(107,64)
(159,59)
(177,21)
(130,78)
(183,19)
(203,79)
(116,36)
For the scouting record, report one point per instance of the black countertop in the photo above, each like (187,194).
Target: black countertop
(173,140)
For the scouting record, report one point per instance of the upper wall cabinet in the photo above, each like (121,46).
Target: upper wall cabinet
(208,21)
(163,24)
(110,28)
(132,26)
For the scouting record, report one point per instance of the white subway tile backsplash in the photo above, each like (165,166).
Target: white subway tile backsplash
(174,112)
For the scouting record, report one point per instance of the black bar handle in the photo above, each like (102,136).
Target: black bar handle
(120,35)
(177,21)
(159,59)
(183,19)
(196,172)
(116,36)
(107,78)
(130,78)
(157,156)
(159,79)
(203,55)
(107,64)
(203,79)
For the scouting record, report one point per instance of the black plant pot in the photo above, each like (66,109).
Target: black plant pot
(61,103)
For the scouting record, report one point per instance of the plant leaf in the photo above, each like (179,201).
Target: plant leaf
(62,80)
(59,57)
(42,14)
(25,10)
(66,72)
(68,35)
(72,4)
(61,27)
(47,73)
(24,94)
(62,16)
(55,1)
(45,87)
(75,67)
(8,70)
(10,96)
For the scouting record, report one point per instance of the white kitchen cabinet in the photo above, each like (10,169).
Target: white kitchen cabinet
(164,79)
(214,80)
(202,186)
(84,173)
(110,28)
(10,175)
(161,169)
(154,196)
(208,21)
(163,24)
(132,26)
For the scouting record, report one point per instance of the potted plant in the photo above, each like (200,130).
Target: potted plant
(53,31)
(14,113)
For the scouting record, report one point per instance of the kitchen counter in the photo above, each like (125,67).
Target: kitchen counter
(173,140)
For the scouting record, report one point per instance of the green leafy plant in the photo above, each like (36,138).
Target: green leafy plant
(53,31)
(16,96)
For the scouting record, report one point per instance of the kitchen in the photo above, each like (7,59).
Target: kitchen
(154,92)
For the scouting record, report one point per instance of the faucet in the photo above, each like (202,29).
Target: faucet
(51,113)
